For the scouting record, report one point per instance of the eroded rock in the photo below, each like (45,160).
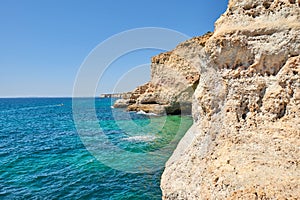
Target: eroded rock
(245,141)
(174,78)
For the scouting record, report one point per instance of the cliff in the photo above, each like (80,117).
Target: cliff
(245,140)
(173,82)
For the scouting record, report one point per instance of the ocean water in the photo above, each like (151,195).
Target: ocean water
(101,153)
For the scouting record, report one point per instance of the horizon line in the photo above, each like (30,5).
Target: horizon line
(16,97)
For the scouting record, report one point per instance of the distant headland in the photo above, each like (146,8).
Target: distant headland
(115,95)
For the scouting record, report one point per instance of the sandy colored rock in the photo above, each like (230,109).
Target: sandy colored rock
(245,140)
(174,78)
(122,103)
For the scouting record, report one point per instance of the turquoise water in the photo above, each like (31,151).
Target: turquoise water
(43,155)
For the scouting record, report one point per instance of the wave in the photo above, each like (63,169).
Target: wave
(140,138)
(141,112)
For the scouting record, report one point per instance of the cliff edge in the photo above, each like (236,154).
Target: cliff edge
(173,82)
(245,140)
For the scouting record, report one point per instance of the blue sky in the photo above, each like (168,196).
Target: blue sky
(44,42)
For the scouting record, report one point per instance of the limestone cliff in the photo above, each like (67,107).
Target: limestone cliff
(245,141)
(173,82)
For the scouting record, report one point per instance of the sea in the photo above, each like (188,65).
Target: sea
(83,148)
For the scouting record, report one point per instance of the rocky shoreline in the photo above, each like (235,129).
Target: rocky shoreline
(173,82)
(242,83)
(245,140)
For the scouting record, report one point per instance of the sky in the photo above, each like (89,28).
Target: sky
(43,44)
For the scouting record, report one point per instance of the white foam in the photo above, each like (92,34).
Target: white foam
(141,138)
(141,112)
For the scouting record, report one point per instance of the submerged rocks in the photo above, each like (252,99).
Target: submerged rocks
(245,140)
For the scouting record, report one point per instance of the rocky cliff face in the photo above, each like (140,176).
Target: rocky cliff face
(173,82)
(245,141)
